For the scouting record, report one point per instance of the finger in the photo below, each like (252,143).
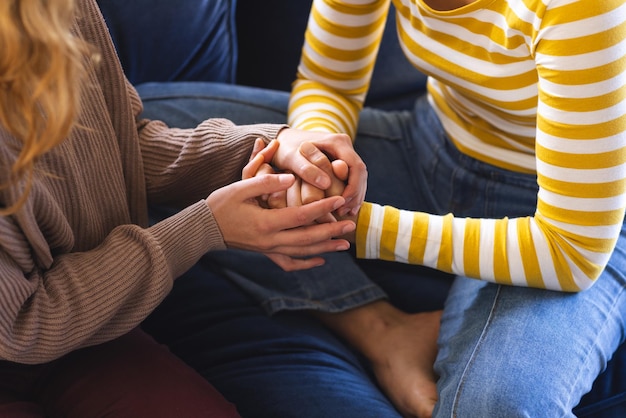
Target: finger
(311,238)
(309,193)
(263,184)
(340,169)
(310,249)
(321,160)
(326,218)
(338,179)
(315,156)
(253,166)
(258,157)
(269,151)
(354,191)
(293,217)
(267,169)
(277,200)
(317,169)
(259,144)
(307,170)
(294,194)
(292,264)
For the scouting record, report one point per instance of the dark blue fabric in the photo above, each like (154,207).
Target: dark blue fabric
(166,40)
(269,53)
(223,41)
(288,365)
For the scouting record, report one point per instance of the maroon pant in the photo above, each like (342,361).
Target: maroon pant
(132,376)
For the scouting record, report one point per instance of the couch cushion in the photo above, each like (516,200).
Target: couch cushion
(269,54)
(166,40)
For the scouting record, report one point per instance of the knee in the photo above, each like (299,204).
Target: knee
(172,399)
(156,383)
(506,394)
(131,377)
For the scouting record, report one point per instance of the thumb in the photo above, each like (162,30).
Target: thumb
(340,169)
(265,184)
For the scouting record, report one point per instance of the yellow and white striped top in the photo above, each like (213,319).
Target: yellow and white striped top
(528,85)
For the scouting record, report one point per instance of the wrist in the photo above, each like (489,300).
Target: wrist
(280,139)
(350,236)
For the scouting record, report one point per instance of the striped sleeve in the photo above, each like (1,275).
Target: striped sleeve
(341,43)
(541,89)
(581,167)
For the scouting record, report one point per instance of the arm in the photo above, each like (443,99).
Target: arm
(580,158)
(52,306)
(78,264)
(335,69)
(184,165)
(334,75)
(55,300)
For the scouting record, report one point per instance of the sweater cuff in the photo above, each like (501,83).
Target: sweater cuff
(187,236)
(362,228)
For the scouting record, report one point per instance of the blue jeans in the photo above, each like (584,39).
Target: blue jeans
(504,351)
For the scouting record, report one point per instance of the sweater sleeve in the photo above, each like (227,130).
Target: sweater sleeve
(88,297)
(184,165)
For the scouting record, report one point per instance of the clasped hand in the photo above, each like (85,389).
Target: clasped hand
(284,216)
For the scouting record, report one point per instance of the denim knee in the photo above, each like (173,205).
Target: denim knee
(501,394)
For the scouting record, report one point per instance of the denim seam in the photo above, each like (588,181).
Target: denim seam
(358,298)
(473,355)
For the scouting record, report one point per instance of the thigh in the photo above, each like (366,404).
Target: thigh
(186,104)
(17,382)
(411,288)
(336,286)
(132,376)
(281,366)
(385,142)
(516,351)
(13,408)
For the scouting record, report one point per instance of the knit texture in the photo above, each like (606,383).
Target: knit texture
(79,264)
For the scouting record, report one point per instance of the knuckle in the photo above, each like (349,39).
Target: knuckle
(264,179)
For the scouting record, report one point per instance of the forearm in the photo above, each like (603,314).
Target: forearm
(506,251)
(89,297)
(185,165)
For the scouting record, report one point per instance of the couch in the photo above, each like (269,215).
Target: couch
(257,43)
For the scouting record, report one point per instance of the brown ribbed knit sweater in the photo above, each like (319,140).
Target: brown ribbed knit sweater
(78,263)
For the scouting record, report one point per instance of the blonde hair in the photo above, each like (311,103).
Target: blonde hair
(42,65)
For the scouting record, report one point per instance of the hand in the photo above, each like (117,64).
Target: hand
(301,192)
(259,164)
(285,234)
(301,160)
(336,170)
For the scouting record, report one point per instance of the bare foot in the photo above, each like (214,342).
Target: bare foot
(401,348)
(404,366)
